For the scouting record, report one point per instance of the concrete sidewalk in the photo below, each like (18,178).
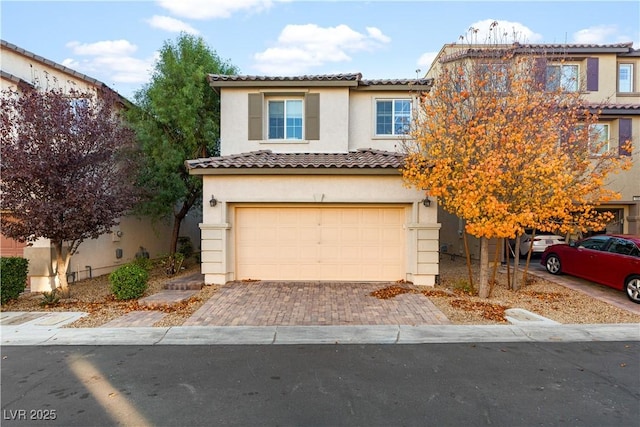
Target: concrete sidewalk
(46,329)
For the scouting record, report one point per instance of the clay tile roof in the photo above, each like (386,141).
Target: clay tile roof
(607,108)
(265,159)
(397,82)
(305,78)
(352,80)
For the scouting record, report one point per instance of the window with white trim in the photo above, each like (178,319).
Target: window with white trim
(393,116)
(599,139)
(562,76)
(625,78)
(285,119)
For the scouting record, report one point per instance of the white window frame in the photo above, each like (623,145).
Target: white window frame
(604,149)
(394,117)
(284,100)
(629,78)
(566,85)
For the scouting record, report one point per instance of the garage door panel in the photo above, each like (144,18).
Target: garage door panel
(320,243)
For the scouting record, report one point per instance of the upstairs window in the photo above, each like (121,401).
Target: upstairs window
(285,119)
(495,77)
(563,77)
(599,139)
(625,78)
(393,116)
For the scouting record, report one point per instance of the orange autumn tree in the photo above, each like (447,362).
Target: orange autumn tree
(504,153)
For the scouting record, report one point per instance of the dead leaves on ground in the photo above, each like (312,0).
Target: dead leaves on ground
(486,310)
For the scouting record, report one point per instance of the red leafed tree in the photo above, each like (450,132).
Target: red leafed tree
(67,168)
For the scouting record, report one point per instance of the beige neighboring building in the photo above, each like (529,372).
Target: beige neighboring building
(95,256)
(308,185)
(608,76)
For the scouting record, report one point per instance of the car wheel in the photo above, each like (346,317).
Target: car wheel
(553,264)
(632,288)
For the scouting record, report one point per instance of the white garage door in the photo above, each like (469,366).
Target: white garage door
(320,243)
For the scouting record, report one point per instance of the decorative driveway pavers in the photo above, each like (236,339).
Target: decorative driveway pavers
(270,303)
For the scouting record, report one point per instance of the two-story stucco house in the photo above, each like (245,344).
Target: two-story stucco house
(608,77)
(95,256)
(308,184)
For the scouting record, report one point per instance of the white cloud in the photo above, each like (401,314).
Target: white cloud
(600,34)
(208,9)
(107,47)
(425,61)
(171,24)
(302,47)
(110,61)
(504,32)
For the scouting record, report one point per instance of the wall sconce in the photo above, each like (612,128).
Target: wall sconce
(426,202)
(213,202)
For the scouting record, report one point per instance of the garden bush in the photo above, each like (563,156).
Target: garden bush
(13,277)
(128,281)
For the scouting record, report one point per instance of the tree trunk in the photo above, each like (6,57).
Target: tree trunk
(466,251)
(62,262)
(526,266)
(496,260)
(483,287)
(516,262)
(177,222)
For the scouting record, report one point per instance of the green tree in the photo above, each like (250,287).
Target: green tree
(177,118)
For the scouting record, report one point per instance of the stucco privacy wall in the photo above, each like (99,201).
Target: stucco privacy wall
(102,255)
(218,232)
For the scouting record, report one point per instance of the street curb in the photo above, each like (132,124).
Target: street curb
(288,335)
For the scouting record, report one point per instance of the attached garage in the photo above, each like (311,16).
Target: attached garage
(314,216)
(320,243)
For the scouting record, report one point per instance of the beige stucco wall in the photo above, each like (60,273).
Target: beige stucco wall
(334,123)
(218,262)
(39,74)
(362,118)
(100,254)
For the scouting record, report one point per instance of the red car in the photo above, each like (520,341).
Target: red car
(611,260)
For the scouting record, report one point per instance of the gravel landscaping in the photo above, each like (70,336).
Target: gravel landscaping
(452,296)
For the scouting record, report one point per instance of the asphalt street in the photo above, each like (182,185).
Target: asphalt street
(448,384)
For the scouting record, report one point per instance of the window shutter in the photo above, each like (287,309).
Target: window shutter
(312,116)
(255,116)
(540,73)
(592,74)
(624,135)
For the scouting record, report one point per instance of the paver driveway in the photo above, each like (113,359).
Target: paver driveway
(270,303)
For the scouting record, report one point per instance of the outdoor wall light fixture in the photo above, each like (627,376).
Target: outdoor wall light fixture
(213,202)
(426,202)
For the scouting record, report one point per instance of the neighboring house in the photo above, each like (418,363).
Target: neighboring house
(97,256)
(608,76)
(308,184)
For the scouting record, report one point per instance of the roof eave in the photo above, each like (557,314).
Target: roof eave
(292,171)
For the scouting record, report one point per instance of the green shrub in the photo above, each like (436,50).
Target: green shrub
(13,277)
(128,281)
(185,247)
(50,298)
(145,263)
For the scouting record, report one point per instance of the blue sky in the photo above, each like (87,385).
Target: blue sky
(116,42)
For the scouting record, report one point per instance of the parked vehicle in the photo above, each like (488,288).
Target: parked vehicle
(611,260)
(540,243)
